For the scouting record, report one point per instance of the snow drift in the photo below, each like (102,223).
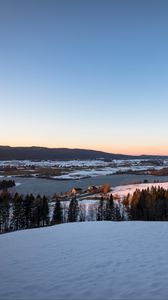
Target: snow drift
(93,260)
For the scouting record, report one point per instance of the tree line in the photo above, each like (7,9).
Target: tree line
(5,184)
(147,205)
(29,211)
(23,212)
(19,212)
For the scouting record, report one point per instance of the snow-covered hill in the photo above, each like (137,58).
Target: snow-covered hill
(124,190)
(91,260)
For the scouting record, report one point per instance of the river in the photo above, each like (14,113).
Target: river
(49,187)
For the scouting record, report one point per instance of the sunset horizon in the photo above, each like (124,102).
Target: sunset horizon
(111,151)
(83,149)
(98,84)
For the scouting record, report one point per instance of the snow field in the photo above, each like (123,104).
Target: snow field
(124,190)
(101,167)
(93,260)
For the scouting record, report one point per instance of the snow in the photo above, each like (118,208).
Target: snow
(91,260)
(80,174)
(124,190)
(79,169)
(54,163)
(79,163)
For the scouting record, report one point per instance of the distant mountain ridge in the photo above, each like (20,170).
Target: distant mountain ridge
(42,153)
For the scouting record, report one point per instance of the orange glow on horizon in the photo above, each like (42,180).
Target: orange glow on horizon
(122,149)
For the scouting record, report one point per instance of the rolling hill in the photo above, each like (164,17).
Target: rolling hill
(42,153)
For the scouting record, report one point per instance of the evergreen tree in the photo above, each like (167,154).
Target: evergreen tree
(82,212)
(118,216)
(45,211)
(28,210)
(37,215)
(73,210)
(18,212)
(57,214)
(100,210)
(4,211)
(110,209)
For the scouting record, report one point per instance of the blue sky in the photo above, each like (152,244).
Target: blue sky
(85,74)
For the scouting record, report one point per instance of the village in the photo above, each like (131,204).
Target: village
(92,192)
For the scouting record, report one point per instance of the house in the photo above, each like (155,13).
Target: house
(76,191)
(93,189)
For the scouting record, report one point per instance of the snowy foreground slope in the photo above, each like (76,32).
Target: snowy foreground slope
(91,260)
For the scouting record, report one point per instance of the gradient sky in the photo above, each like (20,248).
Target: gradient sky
(85,74)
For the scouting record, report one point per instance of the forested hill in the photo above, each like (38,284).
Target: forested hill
(41,153)
(9,153)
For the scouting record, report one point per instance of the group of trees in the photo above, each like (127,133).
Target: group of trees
(22,212)
(106,210)
(18,212)
(148,205)
(5,184)
(109,211)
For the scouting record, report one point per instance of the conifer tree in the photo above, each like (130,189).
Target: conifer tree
(118,216)
(100,210)
(44,211)
(4,211)
(82,212)
(37,215)
(28,210)
(73,210)
(18,212)
(57,214)
(110,209)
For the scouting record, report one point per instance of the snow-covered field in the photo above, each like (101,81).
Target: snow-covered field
(93,260)
(124,190)
(77,163)
(54,163)
(80,174)
(79,169)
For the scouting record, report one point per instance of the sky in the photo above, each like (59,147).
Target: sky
(87,74)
